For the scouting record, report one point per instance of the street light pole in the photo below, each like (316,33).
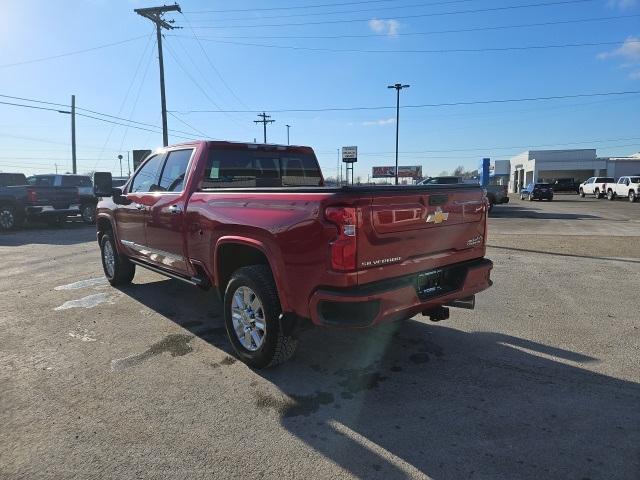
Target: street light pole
(398,87)
(288,127)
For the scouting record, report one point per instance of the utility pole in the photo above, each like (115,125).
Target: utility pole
(398,87)
(128,164)
(338,170)
(73,135)
(120,158)
(264,121)
(56,165)
(288,127)
(155,15)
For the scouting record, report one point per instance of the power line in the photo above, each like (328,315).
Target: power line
(481,149)
(291,7)
(404,17)
(213,67)
(126,96)
(130,126)
(204,135)
(432,32)
(342,12)
(78,108)
(76,52)
(195,82)
(444,50)
(424,105)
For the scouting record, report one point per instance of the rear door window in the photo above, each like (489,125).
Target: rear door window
(174,170)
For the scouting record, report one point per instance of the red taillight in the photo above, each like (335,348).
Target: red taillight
(343,249)
(32,196)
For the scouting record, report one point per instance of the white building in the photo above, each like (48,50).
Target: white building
(579,164)
(621,166)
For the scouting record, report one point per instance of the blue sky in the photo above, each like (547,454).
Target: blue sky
(122,80)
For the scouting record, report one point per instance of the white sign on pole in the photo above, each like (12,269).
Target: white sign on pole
(349,154)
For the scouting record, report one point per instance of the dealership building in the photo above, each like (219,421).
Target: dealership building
(579,164)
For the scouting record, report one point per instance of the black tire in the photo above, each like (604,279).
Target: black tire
(88,213)
(276,347)
(530,198)
(632,196)
(610,195)
(8,220)
(123,270)
(581,193)
(596,193)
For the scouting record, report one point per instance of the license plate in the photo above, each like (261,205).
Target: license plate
(430,283)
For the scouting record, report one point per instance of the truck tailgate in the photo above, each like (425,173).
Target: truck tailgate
(415,231)
(57,197)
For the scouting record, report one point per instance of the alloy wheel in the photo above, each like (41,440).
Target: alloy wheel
(248,317)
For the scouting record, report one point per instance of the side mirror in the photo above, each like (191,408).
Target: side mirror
(119,198)
(102,184)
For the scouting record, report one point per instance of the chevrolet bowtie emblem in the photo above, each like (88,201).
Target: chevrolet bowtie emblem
(438,216)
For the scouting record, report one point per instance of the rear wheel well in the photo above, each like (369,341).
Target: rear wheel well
(231,257)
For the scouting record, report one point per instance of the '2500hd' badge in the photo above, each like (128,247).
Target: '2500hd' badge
(438,216)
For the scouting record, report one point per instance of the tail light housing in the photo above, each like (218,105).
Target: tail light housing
(32,196)
(343,248)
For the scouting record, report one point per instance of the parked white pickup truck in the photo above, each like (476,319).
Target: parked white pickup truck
(628,187)
(596,186)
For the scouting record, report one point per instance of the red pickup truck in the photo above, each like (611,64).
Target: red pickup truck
(256,223)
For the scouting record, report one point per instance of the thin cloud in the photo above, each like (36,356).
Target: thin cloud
(629,53)
(623,4)
(629,50)
(380,122)
(387,27)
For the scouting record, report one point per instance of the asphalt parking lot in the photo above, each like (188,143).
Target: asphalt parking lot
(541,380)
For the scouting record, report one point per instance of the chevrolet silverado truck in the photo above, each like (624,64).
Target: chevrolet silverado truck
(257,225)
(625,187)
(596,186)
(20,202)
(81,182)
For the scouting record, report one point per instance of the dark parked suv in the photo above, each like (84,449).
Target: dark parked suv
(564,185)
(537,191)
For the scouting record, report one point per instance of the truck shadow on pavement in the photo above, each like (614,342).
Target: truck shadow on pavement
(68,233)
(414,399)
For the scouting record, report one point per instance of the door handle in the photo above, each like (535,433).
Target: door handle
(175,209)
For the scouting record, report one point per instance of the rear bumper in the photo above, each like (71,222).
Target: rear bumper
(398,298)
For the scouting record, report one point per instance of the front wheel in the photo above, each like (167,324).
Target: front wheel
(7,217)
(610,195)
(252,318)
(581,193)
(88,213)
(632,196)
(530,197)
(118,269)
(596,193)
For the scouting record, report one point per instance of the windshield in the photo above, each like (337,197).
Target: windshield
(255,168)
